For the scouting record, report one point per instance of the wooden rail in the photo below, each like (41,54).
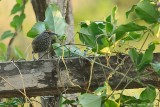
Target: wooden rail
(50,77)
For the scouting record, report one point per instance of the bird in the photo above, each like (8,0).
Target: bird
(42,42)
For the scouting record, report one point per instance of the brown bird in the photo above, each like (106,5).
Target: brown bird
(42,42)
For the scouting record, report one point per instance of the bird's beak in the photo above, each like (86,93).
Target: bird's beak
(53,33)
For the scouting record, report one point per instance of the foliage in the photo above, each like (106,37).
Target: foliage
(96,36)
(12,102)
(99,38)
(53,21)
(142,60)
(18,17)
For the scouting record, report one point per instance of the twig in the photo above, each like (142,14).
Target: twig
(20,76)
(133,79)
(16,89)
(144,40)
(120,82)
(9,46)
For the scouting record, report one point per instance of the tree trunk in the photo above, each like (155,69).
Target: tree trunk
(39,7)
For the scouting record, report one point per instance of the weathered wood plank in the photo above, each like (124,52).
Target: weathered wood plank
(49,77)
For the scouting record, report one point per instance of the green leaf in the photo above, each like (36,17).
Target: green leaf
(84,30)
(86,37)
(17,7)
(148,94)
(100,89)
(110,103)
(54,20)
(94,30)
(7,34)
(132,36)
(61,50)
(3,50)
(134,55)
(75,51)
(93,36)
(130,27)
(142,60)
(147,57)
(68,101)
(114,12)
(129,100)
(156,67)
(125,98)
(109,26)
(17,21)
(67,51)
(147,11)
(19,2)
(19,53)
(131,10)
(89,100)
(37,28)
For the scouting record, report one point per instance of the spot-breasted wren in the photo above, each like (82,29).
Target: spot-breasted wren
(42,42)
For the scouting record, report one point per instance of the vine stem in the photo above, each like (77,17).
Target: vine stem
(91,73)
(120,81)
(144,41)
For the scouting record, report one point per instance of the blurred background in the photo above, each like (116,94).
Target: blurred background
(94,10)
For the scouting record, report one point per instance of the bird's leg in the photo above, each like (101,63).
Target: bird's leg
(43,55)
(33,56)
(50,49)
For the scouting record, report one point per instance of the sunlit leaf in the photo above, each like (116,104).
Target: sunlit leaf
(54,20)
(67,51)
(89,100)
(105,50)
(37,28)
